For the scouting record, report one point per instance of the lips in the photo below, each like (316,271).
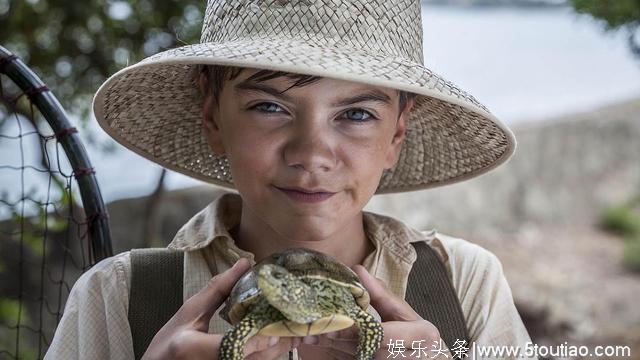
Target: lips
(305,190)
(306,195)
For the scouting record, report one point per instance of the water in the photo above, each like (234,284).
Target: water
(523,64)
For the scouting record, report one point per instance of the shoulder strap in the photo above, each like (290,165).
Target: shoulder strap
(155,295)
(431,294)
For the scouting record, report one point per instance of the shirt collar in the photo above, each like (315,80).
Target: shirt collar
(212,225)
(212,222)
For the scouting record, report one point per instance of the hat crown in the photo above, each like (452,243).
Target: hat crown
(384,27)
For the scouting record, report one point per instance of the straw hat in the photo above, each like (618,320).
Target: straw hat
(155,109)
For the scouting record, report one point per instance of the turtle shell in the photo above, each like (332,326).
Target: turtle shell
(300,262)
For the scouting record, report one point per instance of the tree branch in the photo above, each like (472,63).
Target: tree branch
(150,219)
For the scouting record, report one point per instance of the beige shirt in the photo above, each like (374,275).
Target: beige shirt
(95,326)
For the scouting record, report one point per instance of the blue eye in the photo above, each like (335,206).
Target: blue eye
(355,115)
(267,107)
(358,115)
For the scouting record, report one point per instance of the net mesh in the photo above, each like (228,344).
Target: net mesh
(44,238)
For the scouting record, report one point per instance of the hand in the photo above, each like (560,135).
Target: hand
(401,325)
(185,335)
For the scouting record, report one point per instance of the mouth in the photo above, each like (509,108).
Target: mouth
(306,195)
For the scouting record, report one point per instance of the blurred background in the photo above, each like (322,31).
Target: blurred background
(563,215)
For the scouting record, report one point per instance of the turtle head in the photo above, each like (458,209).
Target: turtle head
(290,295)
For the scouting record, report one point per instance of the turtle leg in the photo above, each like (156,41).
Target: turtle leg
(232,346)
(371,332)
(233,342)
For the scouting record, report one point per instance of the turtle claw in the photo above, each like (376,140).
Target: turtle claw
(371,334)
(233,342)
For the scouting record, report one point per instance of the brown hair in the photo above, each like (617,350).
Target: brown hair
(210,80)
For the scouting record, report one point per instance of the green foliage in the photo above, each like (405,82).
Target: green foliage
(30,237)
(9,314)
(621,220)
(631,257)
(75,45)
(36,221)
(624,220)
(616,14)
(9,310)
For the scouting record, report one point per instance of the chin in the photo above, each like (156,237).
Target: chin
(315,232)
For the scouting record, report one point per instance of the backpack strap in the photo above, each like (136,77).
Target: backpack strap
(155,295)
(432,295)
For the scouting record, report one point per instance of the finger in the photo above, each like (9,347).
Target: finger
(412,330)
(335,353)
(260,343)
(200,307)
(194,344)
(389,306)
(282,346)
(344,345)
(220,285)
(407,354)
(338,355)
(350,333)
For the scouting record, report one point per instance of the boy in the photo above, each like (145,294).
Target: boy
(307,109)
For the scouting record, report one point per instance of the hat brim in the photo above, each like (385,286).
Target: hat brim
(154,109)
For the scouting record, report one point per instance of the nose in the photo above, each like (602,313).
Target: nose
(309,148)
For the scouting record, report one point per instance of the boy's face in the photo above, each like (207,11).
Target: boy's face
(331,134)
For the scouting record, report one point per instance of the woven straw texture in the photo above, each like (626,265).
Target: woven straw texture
(154,108)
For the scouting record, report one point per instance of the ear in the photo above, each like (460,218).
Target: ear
(398,136)
(210,128)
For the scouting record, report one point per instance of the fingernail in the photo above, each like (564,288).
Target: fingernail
(311,340)
(237,263)
(273,340)
(332,335)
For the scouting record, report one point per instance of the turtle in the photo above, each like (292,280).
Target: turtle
(298,292)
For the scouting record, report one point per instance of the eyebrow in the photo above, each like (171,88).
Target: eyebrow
(369,95)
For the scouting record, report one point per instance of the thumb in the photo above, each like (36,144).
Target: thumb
(201,306)
(389,306)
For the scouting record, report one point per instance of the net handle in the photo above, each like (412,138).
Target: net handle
(97,219)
